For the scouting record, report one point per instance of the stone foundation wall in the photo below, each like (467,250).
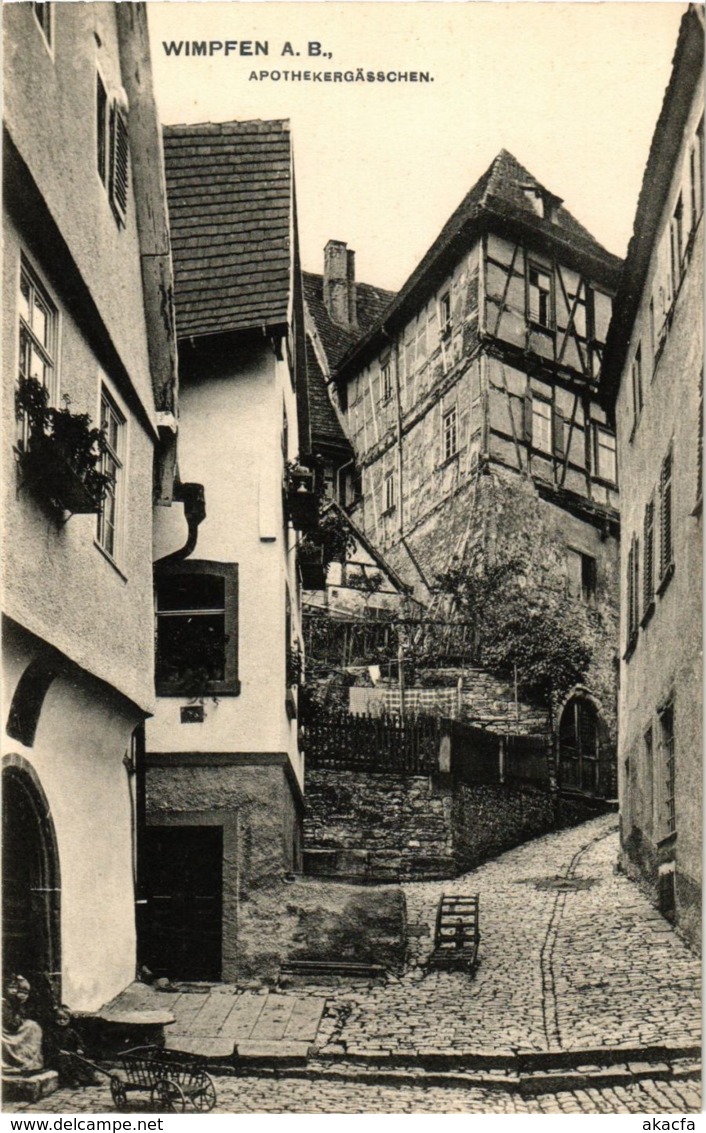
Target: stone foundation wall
(376,827)
(369,827)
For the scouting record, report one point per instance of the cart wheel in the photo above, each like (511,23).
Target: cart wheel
(167,1096)
(203,1094)
(118,1092)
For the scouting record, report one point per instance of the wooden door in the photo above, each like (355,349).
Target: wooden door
(183,886)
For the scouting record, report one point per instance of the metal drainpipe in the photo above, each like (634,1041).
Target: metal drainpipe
(339,473)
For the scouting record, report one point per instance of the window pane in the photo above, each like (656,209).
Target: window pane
(24,298)
(191,650)
(191,592)
(36,364)
(40,321)
(573,574)
(541,425)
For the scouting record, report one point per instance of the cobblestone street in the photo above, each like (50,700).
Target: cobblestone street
(590,965)
(579,977)
(296,1095)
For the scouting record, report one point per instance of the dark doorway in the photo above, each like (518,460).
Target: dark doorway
(585,759)
(30,886)
(183,886)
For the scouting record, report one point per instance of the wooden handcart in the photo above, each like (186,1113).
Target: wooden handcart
(172,1081)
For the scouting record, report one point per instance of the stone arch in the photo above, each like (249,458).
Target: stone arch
(31,884)
(586,761)
(28,700)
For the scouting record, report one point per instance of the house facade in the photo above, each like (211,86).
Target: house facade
(87,330)
(472,406)
(224,776)
(654,390)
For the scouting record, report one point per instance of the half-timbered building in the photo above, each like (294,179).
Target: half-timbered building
(472,408)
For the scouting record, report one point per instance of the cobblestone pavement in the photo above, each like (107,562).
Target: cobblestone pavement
(572,957)
(587,964)
(296,1095)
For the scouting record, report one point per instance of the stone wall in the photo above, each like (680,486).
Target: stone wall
(376,827)
(370,827)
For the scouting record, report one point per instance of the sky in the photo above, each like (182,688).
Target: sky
(572,90)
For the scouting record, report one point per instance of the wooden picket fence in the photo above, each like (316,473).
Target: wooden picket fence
(339,740)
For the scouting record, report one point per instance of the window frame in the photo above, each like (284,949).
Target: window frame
(445,316)
(115,455)
(598,430)
(536,414)
(666,525)
(230,685)
(390,499)
(550,324)
(449,433)
(588,582)
(648,561)
(386,380)
(638,398)
(102,121)
(666,798)
(49,353)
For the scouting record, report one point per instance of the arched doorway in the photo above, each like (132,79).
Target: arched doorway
(31,892)
(585,758)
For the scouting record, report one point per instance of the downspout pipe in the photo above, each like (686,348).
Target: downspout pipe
(193,497)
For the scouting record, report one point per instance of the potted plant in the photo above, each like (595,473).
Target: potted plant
(59,452)
(295,666)
(331,541)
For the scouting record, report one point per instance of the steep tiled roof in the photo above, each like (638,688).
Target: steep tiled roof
(498,200)
(335,340)
(325,426)
(229,188)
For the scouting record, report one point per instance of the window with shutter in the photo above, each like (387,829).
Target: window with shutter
(102,147)
(633,593)
(637,399)
(119,161)
(604,457)
(666,810)
(648,561)
(541,425)
(558,442)
(666,536)
(700,440)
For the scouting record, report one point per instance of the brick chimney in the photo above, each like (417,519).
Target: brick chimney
(339,284)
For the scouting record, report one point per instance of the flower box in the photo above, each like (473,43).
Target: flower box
(49,473)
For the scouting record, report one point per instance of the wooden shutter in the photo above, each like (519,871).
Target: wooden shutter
(666,514)
(527,418)
(648,556)
(558,433)
(629,603)
(700,439)
(119,160)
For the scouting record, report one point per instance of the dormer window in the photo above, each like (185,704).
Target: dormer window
(535,197)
